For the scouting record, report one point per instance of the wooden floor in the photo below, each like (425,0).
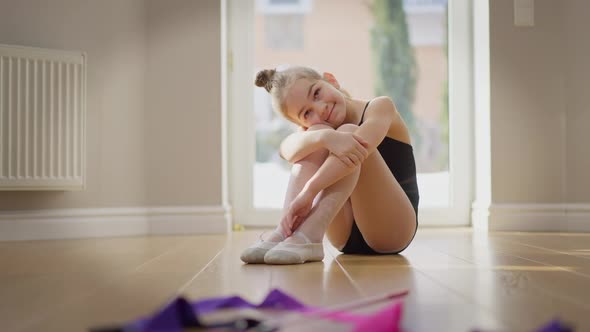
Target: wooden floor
(458,280)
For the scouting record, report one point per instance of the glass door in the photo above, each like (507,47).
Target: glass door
(414,51)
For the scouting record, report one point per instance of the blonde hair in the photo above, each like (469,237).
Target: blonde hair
(277,83)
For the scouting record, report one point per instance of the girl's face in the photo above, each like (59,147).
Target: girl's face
(311,102)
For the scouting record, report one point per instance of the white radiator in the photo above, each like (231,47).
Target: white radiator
(42,119)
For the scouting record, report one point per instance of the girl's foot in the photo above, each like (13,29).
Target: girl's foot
(255,253)
(295,252)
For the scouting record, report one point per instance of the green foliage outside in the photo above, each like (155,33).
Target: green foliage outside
(393,58)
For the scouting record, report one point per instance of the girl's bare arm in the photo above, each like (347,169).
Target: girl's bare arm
(378,119)
(300,144)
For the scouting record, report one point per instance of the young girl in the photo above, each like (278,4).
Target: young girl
(353,177)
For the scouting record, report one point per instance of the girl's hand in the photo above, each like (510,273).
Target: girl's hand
(297,212)
(350,148)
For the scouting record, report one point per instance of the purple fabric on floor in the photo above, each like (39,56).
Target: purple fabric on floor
(173,316)
(180,314)
(274,300)
(555,326)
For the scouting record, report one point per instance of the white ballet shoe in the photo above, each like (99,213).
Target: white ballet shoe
(293,253)
(254,254)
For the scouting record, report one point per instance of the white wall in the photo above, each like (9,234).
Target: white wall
(153,117)
(577,78)
(539,119)
(183,103)
(113,34)
(527,104)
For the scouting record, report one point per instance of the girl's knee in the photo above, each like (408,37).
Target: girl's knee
(348,127)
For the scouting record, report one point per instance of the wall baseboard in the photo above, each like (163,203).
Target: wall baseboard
(188,220)
(532,217)
(111,222)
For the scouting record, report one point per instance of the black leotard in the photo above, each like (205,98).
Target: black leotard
(399,157)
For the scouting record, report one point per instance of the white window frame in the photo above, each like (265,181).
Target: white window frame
(242,129)
(417,6)
(269,8)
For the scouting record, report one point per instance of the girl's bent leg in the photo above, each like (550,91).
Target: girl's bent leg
(301,172)
(306,243)
(382,210)
(330,202)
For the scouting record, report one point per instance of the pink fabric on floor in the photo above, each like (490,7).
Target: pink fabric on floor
(386,320)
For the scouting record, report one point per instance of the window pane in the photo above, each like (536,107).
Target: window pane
(395,48)
(284,32)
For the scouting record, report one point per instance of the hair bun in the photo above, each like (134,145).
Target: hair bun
(264,78)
